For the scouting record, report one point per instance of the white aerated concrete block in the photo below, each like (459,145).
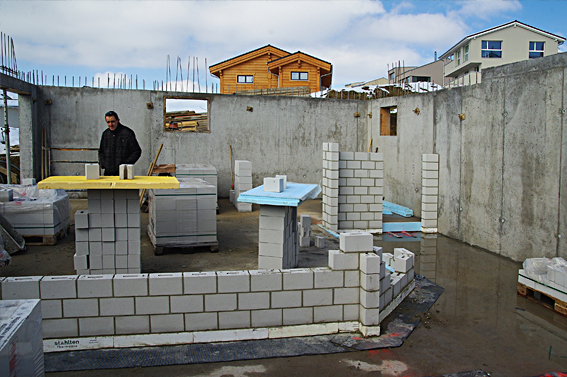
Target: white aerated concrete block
(339,260)
(261,280)
(319,242)
(52,287)
(130,285)
(162,284)
(233,281)
(21,288)
(199,282)
(430,158)
(92,171)
(369,317)
(273,184)
(356,242)
(403,263)
(298,278)
(370,263)
(220,302)
(82,219)
(370,282)
(94,286)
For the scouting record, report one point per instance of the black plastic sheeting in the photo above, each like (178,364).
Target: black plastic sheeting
(395,329)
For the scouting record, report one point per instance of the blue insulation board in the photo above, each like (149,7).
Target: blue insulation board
(292,196)
(397,209)
(398,227)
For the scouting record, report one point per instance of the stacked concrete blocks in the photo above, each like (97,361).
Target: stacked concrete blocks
(330,189)
(361,190)
(185,216)
(242,183)
(207,173)
(107,236)
(278,237)
(305,231)
(378,287)
(429,192)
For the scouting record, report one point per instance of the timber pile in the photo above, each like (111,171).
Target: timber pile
(186,121)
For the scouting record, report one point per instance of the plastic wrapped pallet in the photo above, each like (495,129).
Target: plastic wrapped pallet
(21,340)
(35,212)
(205,172)
(185,216)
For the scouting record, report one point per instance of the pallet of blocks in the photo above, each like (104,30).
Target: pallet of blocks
(207,173)
(40,216)
(544,281)
(183,217)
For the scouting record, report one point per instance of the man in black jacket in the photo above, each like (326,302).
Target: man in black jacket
(118,145)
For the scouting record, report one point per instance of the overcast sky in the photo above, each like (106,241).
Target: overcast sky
(359,38)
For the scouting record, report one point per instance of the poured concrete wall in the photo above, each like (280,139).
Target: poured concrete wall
(282,135)
(502,169)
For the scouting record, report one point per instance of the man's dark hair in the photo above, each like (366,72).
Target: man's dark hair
(112,113)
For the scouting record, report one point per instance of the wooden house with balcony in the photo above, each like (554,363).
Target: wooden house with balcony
(269,70)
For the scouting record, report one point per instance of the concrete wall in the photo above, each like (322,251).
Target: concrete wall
(502,169)
(282,135)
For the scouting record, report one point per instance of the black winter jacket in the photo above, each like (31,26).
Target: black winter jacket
(118,147)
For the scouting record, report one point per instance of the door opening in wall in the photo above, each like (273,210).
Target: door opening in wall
(389,121)
(186,115)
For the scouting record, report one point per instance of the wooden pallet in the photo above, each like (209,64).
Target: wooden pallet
(543,299)
(186,248)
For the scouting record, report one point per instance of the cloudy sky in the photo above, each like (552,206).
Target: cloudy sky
(360,38)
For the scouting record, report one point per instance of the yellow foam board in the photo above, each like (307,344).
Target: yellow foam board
(81,183)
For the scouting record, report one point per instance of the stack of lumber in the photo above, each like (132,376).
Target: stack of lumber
(186,121)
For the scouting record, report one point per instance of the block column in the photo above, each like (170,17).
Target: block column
(278,237)
(429,192)
(107,236)
(242,183)
(331,186)
(361,190)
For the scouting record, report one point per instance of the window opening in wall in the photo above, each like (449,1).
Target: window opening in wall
(389,121)
(458,57)
(491,49)
(186,115)
(466,52)
(245,79)
(303,76)
(536,49)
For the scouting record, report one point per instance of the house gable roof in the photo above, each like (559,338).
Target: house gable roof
(326,67)
(216,68)
(558,38)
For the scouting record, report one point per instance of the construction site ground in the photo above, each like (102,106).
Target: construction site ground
(478,323)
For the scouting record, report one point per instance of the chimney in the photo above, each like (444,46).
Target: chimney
(435,57)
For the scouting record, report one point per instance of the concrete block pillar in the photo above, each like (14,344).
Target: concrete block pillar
(278,238)
(331,186)
(429,192)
